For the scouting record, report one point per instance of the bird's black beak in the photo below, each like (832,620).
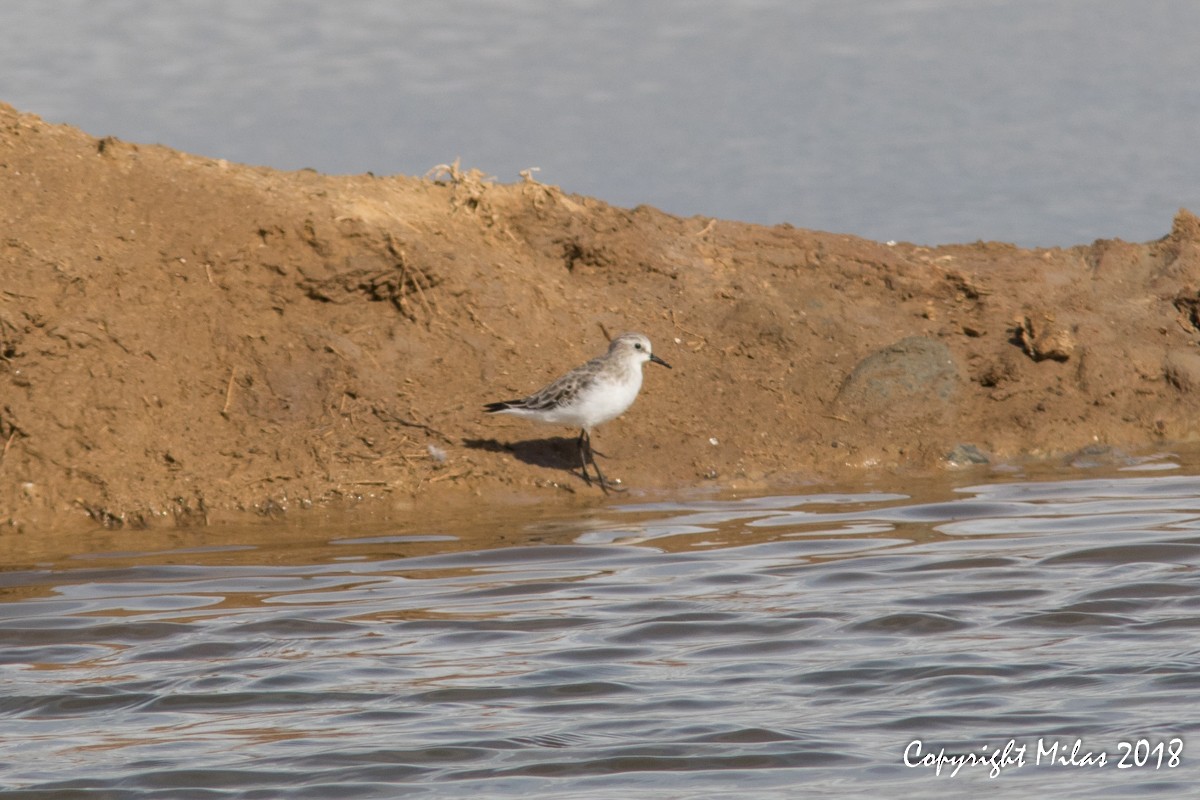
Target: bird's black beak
(658,360)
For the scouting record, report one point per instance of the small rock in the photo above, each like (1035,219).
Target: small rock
(965,455)
(1182,370)
(1095,455)
(1042,338)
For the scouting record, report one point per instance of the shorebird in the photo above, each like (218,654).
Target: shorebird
(589,395)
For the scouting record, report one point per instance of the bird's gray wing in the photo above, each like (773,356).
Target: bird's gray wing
(560,392)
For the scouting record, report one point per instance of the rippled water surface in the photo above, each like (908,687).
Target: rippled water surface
(775,646)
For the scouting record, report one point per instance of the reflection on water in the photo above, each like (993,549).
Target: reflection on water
(759,645)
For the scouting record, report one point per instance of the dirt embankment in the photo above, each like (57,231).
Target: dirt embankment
(182,339)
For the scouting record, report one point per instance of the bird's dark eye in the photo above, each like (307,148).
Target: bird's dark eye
(637,346)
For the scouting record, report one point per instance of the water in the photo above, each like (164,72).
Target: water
(759,646)
(922,120)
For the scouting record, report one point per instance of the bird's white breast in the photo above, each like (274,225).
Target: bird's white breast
(604,399)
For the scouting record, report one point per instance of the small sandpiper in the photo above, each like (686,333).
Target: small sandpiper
(589,395)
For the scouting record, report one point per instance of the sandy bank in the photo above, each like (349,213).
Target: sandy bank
(182,339)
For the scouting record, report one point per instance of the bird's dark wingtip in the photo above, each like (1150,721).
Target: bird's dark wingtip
(492,408)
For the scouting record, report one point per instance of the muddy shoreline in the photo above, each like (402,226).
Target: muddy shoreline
(184,340)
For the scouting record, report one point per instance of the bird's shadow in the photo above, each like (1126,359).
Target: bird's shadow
(557,452)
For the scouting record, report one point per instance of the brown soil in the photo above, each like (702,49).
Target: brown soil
(183,339)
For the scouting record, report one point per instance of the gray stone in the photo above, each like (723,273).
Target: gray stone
(966,455)
(914,379)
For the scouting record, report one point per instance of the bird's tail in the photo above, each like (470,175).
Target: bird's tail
(503,405)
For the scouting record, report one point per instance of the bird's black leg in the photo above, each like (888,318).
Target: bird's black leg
(585,448)
(590,455)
